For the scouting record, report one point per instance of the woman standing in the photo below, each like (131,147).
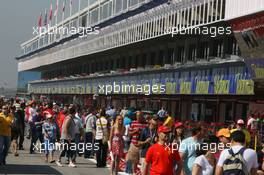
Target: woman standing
(179,134)
(117,143)
(205,161)
(49,132)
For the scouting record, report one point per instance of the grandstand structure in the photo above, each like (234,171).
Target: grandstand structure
(203,57)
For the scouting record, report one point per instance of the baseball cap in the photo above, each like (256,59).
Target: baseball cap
(163,129)
(241,122)
(178,124)
(223,132)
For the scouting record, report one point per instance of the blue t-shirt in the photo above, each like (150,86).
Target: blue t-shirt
(50,130)
(127,121)
(188,147)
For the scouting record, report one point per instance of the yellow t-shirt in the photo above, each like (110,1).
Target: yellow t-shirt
(247,134)
(5,124)
(168,122)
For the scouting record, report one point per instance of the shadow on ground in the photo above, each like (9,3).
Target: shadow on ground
(28,169)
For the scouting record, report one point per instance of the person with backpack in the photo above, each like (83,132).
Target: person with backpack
(238,160)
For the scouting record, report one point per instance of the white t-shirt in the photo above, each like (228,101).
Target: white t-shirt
(207,168)
(32,113)
(101,127)
(249,155)
(251,123)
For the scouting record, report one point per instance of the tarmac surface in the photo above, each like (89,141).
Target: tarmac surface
(26,164)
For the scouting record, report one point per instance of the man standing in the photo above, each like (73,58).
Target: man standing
(101,131)
(188,148)
(36,128)
(5,133)
(68,137)
(89,137)
(238,159)
(241,126)
(160,157)
(134,131)
(147,139)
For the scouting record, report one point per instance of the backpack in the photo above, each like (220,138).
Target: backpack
(235,163)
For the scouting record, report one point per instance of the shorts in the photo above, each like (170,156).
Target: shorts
(14,135)
(133,154)
(49,146)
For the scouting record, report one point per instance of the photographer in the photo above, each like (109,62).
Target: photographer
(147,138)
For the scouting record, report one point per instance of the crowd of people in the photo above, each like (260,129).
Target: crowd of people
(157,144)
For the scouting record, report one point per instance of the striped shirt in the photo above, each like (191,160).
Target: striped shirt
(133,127)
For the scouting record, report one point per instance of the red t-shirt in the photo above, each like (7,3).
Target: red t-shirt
(60,120)
(161,159)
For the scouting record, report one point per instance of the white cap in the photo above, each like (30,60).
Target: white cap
(240,121)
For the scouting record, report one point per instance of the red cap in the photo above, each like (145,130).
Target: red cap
(163,129)
(178,124)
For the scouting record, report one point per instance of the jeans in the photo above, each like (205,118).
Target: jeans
(4,147)
(88,141)
(37,135)
(21,136)
(101,154)
(66,150)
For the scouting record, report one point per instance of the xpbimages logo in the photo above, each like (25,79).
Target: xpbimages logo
(146,89)
(65,31)
(50,146)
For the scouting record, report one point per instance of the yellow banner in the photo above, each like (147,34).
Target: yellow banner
(202,87)
(88,89)
(222,87)
(185,88)
(170,88)
(259,72)
(245,87)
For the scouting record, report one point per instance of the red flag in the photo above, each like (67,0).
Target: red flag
(50,12)
(40,20)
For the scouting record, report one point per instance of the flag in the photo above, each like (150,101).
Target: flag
(46,18)
(40,20)
(50,12)
(70,7)
(57,7)
(64,4)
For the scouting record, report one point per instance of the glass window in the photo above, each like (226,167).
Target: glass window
(46,39)
(104,11)
(84,4)
(118,6)
(83,20)
(205,50)
(124,4)
(92,2)
(180,55)
(41,42)
(74,23)
(132,2)
(94,16)
(192,53)
(110,9)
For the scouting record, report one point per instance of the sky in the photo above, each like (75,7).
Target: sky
(17,19)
